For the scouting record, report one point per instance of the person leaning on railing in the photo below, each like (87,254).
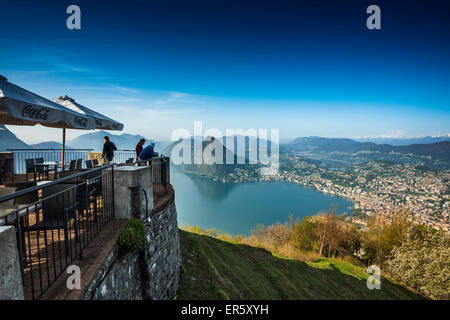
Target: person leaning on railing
(148,152)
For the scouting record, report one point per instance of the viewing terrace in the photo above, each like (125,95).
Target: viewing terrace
(58,209)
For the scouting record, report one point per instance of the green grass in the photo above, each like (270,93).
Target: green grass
(215,269)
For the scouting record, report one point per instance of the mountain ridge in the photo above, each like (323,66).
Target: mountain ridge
(320,144)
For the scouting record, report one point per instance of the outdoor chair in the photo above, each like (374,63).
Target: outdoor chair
(30,168)
(72,165)
(59,210)
(93,192)
(89,164)
(8,168)
(2,169)
(79,164)
(95,162)
(40,170)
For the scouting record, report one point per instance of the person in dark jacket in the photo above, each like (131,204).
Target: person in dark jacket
(108,150)
(148,152)
(139,148)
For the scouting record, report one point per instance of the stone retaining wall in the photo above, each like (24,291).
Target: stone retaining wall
(152,273)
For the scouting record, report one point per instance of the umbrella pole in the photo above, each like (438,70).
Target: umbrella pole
(63,147)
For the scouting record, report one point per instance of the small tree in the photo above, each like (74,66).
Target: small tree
(305,234)
(385,234)
(349,240)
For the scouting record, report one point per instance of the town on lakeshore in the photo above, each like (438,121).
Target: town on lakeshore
(374,187)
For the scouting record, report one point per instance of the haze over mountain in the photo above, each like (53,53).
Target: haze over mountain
(94,140)
(345,151)
(405,141)
(332,150)
(48,145)
(8,140)
(240,155)
(318,144)
(240,149)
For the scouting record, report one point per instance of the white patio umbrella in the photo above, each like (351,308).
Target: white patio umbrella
(22,107)
(101,121)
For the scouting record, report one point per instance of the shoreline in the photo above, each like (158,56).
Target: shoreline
(208,177)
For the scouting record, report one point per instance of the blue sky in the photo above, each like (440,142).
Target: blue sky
(305,67)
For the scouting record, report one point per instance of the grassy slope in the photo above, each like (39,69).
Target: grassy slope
(223,270)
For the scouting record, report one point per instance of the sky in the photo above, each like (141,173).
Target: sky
(307,68)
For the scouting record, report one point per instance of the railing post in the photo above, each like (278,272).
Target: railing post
(11,286)
(112,187)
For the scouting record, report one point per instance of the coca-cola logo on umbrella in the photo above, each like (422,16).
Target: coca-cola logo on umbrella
(36,113)
(80,122)
(115,125)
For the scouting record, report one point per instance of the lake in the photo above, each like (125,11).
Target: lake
(238,208)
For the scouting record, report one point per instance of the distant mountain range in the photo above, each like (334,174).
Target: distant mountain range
(329,145)
(240,160)
(345,151)
(8,140)
(92,140)
(48,145)
(250,144)
(405,141)
(340,151)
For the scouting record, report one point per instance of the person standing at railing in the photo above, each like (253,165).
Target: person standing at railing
(148,152)
(108,150)
(139,148)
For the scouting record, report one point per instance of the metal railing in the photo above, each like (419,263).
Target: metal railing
(160,175)
(56,222)
(121,156)
(48,154)
(54,155)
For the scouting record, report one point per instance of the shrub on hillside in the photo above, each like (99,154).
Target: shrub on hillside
(305,234)
(131,238)
(384,234)
(422,261)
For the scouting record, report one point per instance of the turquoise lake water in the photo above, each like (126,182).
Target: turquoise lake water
(239,207)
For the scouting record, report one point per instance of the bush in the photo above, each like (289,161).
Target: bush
(131,238)
(422,261)
(384,235)
(305,234)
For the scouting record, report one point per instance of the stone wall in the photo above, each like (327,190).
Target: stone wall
(10,278)
(152,273)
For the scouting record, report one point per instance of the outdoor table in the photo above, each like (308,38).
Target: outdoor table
(46,165)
